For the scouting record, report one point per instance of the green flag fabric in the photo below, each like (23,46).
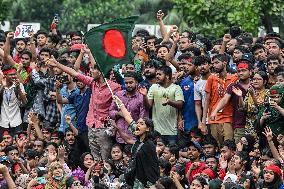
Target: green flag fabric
(110,43)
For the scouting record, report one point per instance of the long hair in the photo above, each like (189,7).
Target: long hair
(149,123)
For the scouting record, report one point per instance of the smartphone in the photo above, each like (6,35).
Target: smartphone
(267,106)
(62,79)
(41,180)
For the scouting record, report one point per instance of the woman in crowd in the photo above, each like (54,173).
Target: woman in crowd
(145,164)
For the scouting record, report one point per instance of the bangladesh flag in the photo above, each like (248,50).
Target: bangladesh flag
(110,43)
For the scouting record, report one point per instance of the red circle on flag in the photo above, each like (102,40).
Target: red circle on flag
(114,43)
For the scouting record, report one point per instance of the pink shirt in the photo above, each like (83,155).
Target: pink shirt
(100,101)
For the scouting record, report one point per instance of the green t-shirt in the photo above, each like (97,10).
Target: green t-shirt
(165,117)
(24,74)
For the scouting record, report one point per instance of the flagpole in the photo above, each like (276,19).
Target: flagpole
(108,85)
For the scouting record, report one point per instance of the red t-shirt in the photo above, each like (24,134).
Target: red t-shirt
(194,171)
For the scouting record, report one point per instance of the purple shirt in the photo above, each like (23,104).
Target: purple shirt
(239,116)
(134,105)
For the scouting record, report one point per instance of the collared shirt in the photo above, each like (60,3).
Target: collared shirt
(10,108)
(188,111)
(100,101)
(217,87)
(81,103)
(51,109)
(134,105)
(67,109)
(37,103)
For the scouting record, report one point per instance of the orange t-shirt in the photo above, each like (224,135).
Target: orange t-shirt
(217,89)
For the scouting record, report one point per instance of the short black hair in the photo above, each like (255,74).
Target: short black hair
(27,52)
(242,49)
(209,139)
(196,51)
(230,144)
(10,148)
(53,144)
(132,75)
(235,31)
(54,38)
(20,39)
(273,57)
(202,59)
(174,149)
(150,37)
(256,47)
(40,32)
(221,57)
(45,49)
(164,164)
(184,56)
(142,33)
(151,63)
(160,46)
(166,70)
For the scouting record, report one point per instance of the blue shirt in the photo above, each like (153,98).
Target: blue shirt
(67,109)
(81,103)
(188,111)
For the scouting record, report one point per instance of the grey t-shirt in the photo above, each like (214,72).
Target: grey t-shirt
(199,91)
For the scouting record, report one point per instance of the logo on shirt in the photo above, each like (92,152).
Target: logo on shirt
(186,87)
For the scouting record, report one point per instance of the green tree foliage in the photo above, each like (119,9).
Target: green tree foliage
(41,11)
(213,17)
(3,10)
(78,15)
(74,14)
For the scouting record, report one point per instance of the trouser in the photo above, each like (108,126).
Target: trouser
(83,141)
(169,139)
(100,143)
(222,131)
(238,134)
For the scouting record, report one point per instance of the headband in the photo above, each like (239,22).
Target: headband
(275,169)
(242,65)
(13,70)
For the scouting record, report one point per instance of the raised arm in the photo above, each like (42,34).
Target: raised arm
(79,60)
(33,47)
(70,71)
(226,39)
(7,57)
(59,98)
(125,113)
(160,16)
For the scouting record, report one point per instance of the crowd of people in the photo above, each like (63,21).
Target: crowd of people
(187,112)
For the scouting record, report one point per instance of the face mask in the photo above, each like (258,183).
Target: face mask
(58,178)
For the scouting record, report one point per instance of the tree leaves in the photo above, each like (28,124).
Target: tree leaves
(213,17)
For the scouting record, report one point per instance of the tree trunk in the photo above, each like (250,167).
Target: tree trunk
(267,22)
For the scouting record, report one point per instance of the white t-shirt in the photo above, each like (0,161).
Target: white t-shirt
(10,108)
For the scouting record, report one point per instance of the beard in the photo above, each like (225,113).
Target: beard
(149,75)
(130,90)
